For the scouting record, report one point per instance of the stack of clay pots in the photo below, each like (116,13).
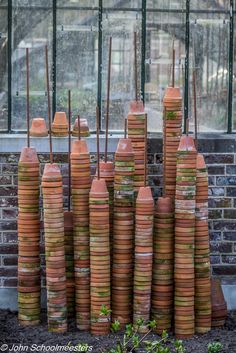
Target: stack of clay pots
(123,233)
(143,257)
(81,183)
(28,238)
(100,280)
(185,203)
(54,248)
(69,255)
(202,252)
(107,174)
(60,125)
(219,306)
(84,129)
(172,130)
(136,132)
(163,264)
(38,128)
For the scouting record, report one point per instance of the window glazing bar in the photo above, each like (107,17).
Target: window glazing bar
(231,67)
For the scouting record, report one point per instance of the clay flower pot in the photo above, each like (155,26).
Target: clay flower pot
(28,155)
(84,129)
(219,306)
(38,128)
(60,125)
(136,107)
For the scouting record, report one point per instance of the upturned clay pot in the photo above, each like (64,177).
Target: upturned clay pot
(124,146)
(79,147)
(165,205)
(84,129)
(136,107)
(38,128)
(217,296)
(51,170)
(172,93)
(186,144)
(60,119)
(28,155)
(98,187)
(200,162)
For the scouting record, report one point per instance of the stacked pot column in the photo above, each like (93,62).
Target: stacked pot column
(69,254)
(185,203)
(136,133)
(123,233)
(100,280)
(172,130)
(28,238)
(202,252)
(54,248)
(143,257)
(81,183)
(163,264)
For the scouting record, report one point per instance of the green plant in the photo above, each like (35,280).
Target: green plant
(214,347)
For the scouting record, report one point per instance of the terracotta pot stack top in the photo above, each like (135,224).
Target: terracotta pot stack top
(60,125)
(54,248)
(202,252)
(136,133)
(28,238)
(143,253)
(123,233)
(69,255)
(84,129)
(172,130)
(100,280)
(81,183)
(163,264)
(185,203)
(38,128)
(219,307)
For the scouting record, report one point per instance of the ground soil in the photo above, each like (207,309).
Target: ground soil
(11,333)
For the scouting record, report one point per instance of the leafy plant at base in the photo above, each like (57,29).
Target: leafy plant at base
(131,340)
(214,347)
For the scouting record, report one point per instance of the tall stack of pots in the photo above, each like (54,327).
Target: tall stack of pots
(80,184)
(172,130)
(163,264)
(28,238)
(123,229)
(143,255)
(54,248)
(60,125)
(100,279)
(202,252)
(136,132)
(185,204)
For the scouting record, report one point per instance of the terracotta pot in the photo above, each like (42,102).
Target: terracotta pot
(38,128)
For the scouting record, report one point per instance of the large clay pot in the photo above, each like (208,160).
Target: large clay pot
(219,306)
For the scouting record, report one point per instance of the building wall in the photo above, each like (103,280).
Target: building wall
(221,161)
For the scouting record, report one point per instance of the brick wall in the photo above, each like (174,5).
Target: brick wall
(220,158)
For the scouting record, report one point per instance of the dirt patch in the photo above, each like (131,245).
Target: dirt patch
(13,334)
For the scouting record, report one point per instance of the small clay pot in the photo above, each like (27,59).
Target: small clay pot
(38,128)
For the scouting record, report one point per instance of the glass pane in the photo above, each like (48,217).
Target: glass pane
(32,3)
(77,3)
(121,26)
(3,66)
(219,5)
(77,43)
(166,4)
(234,82)
(210,40)
(162,29)
(131,4)
(34,34)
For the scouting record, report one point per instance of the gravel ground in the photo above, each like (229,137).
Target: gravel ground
(14,338)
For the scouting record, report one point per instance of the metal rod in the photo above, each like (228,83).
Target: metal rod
(125,129)
(135,67)
(108,97)
(145,152)
(49,103)
(231,68)
(54,56)
(27,97)
(173,65)
(100,51)
(69,149)
(79,134)
(143,56)
(98,147)
(187,42)
(9,68)
(195,108)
